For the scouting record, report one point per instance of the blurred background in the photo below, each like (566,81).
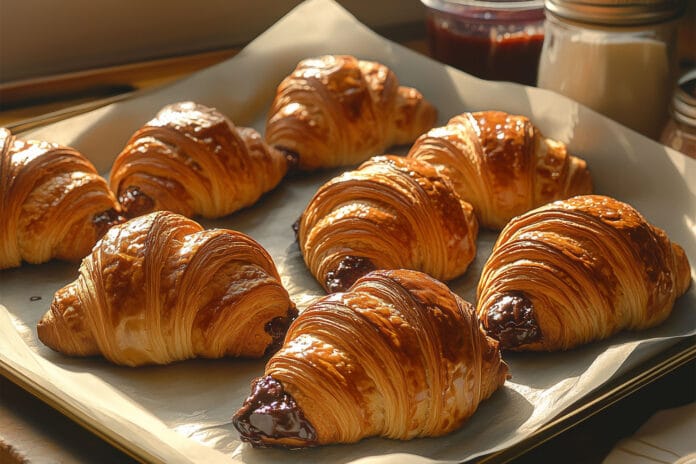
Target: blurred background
(81,49)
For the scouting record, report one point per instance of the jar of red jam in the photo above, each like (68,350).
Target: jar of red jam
(495,40)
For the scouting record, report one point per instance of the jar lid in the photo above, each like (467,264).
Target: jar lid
(684,100)
(616,12)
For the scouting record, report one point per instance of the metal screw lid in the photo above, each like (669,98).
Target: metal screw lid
(616,12)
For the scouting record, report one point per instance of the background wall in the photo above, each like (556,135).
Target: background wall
(45,37)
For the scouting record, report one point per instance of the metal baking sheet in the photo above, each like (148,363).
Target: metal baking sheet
(181,412)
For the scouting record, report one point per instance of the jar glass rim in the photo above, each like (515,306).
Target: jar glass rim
(452,5)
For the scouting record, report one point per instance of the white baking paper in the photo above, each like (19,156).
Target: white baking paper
(181,412)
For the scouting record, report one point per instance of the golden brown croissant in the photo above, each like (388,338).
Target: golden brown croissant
(502,164)
(53,203)
(398,355)
(159,289)
(578,270)
(336,110)
(191,160)
(390,213)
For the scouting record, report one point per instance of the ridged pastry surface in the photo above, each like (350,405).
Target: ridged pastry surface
(337,110)
(159,289)
(390,213)
(398,355)
(192,160)
(578,270)
(53,203)
(502,164)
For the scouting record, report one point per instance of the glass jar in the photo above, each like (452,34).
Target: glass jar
(680,131)
(496,40)
(614,56)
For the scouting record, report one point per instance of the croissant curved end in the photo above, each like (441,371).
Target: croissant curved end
(271,417)
(61,327)
(46,332)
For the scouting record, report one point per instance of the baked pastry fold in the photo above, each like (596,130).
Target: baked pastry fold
(192,160)
(337,110)
(502,164)
(578,270)
(398,355)
(160,289)
(390,213)
(53,203)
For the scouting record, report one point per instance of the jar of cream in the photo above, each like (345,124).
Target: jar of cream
(616,57)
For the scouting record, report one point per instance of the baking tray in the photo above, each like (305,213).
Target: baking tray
(180,413)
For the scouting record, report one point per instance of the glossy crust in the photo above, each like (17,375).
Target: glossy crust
(578,270)
(190,159)
(159,289)
(390,213)
(53,203)
(398,355)
(336,110)
(502,164)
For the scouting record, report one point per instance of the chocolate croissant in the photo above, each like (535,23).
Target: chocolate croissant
(398,355)
(390,213)
(578,270)
(191,160)
(336,110)
(53,203)
(502,164)
(159,289)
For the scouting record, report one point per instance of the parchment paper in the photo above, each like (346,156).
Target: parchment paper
(151,410)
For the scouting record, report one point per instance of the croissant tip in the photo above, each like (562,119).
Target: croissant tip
(45,330)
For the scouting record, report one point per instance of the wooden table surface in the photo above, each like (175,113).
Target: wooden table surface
(31,431)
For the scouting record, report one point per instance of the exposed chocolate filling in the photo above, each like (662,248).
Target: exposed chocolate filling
(350,269)
(291,156)
(105,220)
(511,320)
(270,412)
(135,202)
(277,327)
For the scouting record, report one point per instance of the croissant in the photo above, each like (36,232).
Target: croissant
(53,203)
(390,213)
(336,110)
(191,160)
(578,270)
(159,289)
(502,164)
(398,355)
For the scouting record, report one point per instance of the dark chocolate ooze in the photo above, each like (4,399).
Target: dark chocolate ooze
(106,220)
(291,156)
(350,269)
(277,327)
(270,412)
(135,202)
(511,321)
